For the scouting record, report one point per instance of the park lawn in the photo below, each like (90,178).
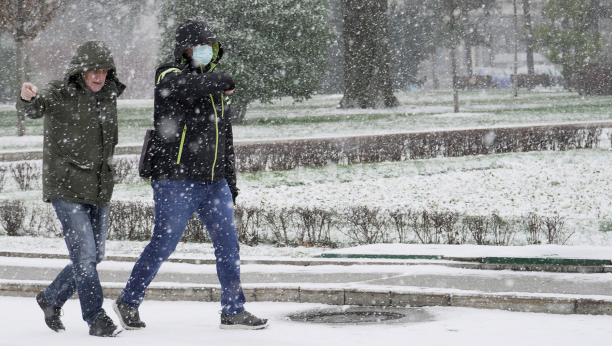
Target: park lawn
(319,116)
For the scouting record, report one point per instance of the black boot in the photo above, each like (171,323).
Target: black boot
(104,326)
(52,313)
(129,317)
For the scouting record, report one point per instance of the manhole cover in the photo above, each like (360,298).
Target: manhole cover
(358,315)
(352,317)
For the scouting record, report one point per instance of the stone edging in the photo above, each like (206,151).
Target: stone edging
(461,263)
(359,297)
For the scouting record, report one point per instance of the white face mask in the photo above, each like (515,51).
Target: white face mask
(202,54)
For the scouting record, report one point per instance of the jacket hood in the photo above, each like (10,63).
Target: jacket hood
(191,33)
(93,55)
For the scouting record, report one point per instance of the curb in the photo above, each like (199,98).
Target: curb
(346,296)
(462,263)
(565,265)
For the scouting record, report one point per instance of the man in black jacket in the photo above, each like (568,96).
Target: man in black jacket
(192,171)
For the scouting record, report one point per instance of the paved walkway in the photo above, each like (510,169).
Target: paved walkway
(372,275)
(418,284)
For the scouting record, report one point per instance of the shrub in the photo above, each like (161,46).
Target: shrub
(26,175)
(12,216)
(366,225)
(126,169)
(130,221)
(3,170)
(248,222)
(400,222)
(479,227)
(315,226)
(280,223)
(593,79)
(503,231)
(533,223)
(397,147)
(195,232)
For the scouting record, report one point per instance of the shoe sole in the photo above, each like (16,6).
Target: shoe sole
(114,334)
(116,308)
(242,326)
(40,304)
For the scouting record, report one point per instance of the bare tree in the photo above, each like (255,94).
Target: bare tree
(366,55)
(25,19)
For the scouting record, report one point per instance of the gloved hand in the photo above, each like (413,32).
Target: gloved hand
(234,190)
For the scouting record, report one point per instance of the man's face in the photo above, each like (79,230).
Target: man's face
(94,79)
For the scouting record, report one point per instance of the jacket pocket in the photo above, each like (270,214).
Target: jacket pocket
(77,175)
(80,163)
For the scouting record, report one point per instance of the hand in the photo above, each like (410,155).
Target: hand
(229,92)
(28,91)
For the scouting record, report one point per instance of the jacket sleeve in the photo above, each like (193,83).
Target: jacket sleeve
(37,107)
(188,87)
(230,160)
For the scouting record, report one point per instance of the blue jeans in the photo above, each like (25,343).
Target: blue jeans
(85,228)
(175,203)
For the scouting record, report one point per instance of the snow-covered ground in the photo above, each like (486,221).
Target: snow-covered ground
(197,323)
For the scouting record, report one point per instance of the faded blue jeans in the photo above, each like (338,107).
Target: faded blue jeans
(175,203)
(85,228)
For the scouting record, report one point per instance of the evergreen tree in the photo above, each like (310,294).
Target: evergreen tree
(570,37)
(273,48)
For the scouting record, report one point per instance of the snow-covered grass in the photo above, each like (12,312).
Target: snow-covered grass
(319,116)
(572,184)
(197,323)
(134,248)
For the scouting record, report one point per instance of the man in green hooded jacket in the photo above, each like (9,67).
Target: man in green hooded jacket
(80,134)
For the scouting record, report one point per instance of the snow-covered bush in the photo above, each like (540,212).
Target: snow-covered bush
(398,147)
(26,174)
(12,216)
(3,171)
(126,169)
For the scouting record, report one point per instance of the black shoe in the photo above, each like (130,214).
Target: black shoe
(104,326)
(52,313)
(244,320)
(129,317)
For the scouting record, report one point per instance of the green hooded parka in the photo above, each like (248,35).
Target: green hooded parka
(80,129)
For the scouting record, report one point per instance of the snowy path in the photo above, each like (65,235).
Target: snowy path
(196,323)
(372,277)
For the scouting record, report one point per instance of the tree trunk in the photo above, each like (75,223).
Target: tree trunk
(366,55)
(516,35)
(529,37)
(468,42)
(20,67)
(489,37)
(453,34)
(434,67)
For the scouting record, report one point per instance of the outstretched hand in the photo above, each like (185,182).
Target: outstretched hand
(28,91)
(229,92)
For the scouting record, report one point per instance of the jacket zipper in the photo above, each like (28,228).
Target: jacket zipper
(212,170)
(178,160)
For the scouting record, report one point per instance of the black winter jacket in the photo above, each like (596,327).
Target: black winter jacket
(193,133)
